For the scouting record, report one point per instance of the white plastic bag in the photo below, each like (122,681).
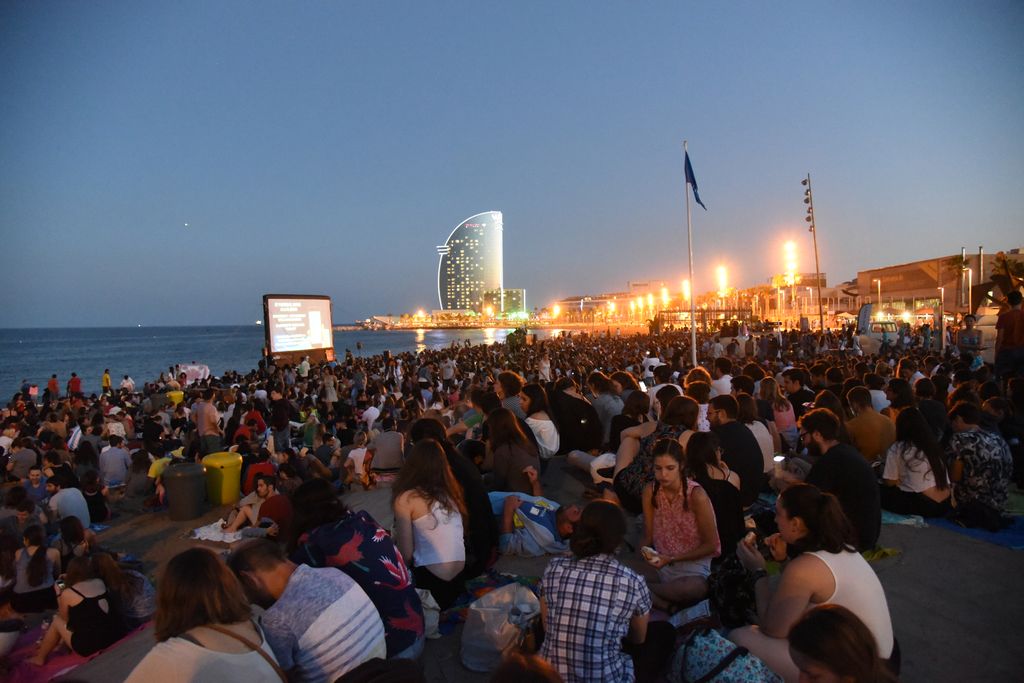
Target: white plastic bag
(495,623)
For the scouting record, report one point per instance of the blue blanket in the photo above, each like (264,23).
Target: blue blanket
(1011,537)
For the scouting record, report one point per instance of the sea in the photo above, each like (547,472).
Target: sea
(144,352)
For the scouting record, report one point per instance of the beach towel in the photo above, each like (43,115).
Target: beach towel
(904,520)
(213,532)
(1011,537)
(60,661)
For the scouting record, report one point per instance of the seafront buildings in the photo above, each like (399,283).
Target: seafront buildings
(471,263)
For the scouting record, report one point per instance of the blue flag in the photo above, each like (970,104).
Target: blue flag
(693,181)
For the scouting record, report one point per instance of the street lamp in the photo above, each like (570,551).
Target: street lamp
(879,281)
(809,201)
(686,290)
(555,310)
(941,322)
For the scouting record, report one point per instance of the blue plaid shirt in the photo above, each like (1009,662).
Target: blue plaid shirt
(589,605)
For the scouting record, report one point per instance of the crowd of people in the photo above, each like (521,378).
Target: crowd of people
(459,440)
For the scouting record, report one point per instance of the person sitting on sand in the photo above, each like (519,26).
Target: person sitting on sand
(827,568)
(430,510)
(830,643)
(86,621)
(204,627)
(531,526)
(247,512)
(318,621)
(679,526)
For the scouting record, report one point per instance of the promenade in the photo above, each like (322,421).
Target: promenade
(954,600)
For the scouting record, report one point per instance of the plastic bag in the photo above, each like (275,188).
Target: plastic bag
(495,623)
(431,614)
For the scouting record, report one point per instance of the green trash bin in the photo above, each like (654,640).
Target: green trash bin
(185,484)
(223,477)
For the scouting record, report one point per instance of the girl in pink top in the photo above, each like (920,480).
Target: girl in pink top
(679,525)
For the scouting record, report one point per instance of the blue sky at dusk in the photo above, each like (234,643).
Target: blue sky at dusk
(327,147)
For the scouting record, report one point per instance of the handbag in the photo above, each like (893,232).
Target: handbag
(707,657)
(732,593)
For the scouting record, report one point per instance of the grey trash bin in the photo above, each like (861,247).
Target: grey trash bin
(186,490)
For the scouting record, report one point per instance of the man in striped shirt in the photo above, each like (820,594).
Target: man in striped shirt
(318,621)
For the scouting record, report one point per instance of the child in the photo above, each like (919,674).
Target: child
(357,465)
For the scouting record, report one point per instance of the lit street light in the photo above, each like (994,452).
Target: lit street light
(556,310)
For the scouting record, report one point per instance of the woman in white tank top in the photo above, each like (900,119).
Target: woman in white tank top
(430,518)
(827,570)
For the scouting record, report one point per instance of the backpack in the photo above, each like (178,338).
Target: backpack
(707,657)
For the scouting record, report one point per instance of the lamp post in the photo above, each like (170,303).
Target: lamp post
(809,201)
(941,322)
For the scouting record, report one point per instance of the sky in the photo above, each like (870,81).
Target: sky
(328,147)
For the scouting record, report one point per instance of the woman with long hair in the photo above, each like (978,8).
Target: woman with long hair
(533,399)
(481,525)
(679,525)
(36,568)
(704,465)
(830,643)
(634,412)
(86,621)
(204,627)
(509,453)
(325,533)
(900,395)
(132,595)
(606,402)
(915,478)
(74,539)
(429,511)
(782,412)
(633,463)
(826,569)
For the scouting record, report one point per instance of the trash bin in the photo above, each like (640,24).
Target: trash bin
(223,477)
(175,397)
(186,489)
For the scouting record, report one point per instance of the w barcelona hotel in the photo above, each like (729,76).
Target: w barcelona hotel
(470,271)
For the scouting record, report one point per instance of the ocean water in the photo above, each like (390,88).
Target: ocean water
(143,352)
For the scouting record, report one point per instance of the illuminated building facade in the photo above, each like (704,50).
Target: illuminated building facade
(505,300)
(471,262)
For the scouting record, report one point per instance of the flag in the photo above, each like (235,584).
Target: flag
(692,181)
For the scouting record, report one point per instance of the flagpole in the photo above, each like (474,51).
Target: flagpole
(693,290)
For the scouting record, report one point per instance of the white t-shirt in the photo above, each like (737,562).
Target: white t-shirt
(906,464)
(721,386)
(176,659)
(764,440)
(357,456)
(370,416)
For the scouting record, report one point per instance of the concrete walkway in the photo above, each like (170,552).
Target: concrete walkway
(954,600)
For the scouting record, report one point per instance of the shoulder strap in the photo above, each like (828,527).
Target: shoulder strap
(723,664)
(252,646)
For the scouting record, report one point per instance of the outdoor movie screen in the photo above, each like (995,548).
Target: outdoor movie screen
(298,322)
